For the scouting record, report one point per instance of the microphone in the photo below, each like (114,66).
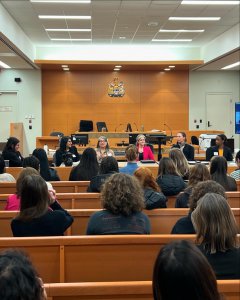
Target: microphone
(135,125)
(118,126)
(170,131)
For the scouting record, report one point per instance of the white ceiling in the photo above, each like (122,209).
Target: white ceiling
(111,20)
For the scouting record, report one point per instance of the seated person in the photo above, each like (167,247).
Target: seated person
(87,168)
(32,162)
(18,277)
(5,177)
(144,151)
(217,231)
(187,150)
(13,201)
(220,149)
(123,202)
(153,197)
(236,174)
(35,218)
(47,173)
(66,150)
(184,225)
(108,167)
(103,149)
(218,172)
(11,152)
(198,173)
(181,272)
(131,156)
(180,162)
(169,180)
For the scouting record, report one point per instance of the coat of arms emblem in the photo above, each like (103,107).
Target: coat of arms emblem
(116,88)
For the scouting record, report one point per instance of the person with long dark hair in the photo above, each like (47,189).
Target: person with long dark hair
(220,149)
(47,173)
(66,150)
(181,272)
(35,218)
(11,152)
(87,168)
(218,172)
(103,149)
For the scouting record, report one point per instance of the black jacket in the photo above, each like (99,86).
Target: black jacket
(184,226)
(154,199)
(15,158)
(171,184)
(97,182)
(60,155)
(188,151)
(227,153)
(182,200)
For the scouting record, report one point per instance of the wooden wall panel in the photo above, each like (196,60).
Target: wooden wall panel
(152,98)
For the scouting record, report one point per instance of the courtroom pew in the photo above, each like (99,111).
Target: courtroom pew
(93,258)
(128,290)
(162,220)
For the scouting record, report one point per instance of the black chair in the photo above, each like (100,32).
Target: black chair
(100,126)
(57,133)
(85,126)
(150,146)
(194,140)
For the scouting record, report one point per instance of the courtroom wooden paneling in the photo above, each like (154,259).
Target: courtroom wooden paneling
(93,258)
(152,98)
(128,290)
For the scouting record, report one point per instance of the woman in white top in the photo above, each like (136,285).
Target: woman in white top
(102,149)
(5,177)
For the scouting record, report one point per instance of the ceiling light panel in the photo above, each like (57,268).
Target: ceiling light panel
(194,18)
(66,30)
(205,2)
(172,40)
(181,30)
(62,1)
(234,65)
(70,40)
(3,65)
(57,17)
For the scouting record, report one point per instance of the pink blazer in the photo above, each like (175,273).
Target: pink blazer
(147,153)
(13,202)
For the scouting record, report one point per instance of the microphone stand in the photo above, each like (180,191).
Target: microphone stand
(135,125)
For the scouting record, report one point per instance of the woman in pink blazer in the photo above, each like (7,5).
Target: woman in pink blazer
(144,151)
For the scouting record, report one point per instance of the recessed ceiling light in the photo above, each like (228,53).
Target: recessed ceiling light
(167,69)
(68,29)
(72,40)
(122,37)
(194,18)
(181,30)
(64,17)
(211,2)
(60,1)
(116,69)
(231,66)
(171,40)
(152,24)
(171,67)
(64,66)
(5,66)
(118,66)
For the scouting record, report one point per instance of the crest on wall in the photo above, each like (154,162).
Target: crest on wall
(116,88)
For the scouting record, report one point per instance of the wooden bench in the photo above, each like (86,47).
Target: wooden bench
(93,258)
(162,220)
(128,290)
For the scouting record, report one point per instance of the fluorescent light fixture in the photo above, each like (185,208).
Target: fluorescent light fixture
(61,1)
(181,30)
(211,2)
(122,37)
(194,18)
(171,40)
(171,67)
(118,66)
(167,69)
(66,69)
(72,40)
(116,69)
(231,66)
(64,17)
(68,29)
(5,66)
(64,66)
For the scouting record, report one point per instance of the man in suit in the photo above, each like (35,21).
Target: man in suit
(220,149)
(187,149)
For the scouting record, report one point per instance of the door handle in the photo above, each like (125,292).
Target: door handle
(208,124)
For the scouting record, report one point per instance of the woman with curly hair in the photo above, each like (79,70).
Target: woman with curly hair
(153,196)
(122,200)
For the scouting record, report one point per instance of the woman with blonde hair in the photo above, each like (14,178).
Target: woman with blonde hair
(217,231)
(198,173)
(122,201)
(154,198)
(180,162)
(144,151)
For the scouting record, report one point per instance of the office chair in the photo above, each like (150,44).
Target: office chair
(194,140)
(100,126)
(85,125)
